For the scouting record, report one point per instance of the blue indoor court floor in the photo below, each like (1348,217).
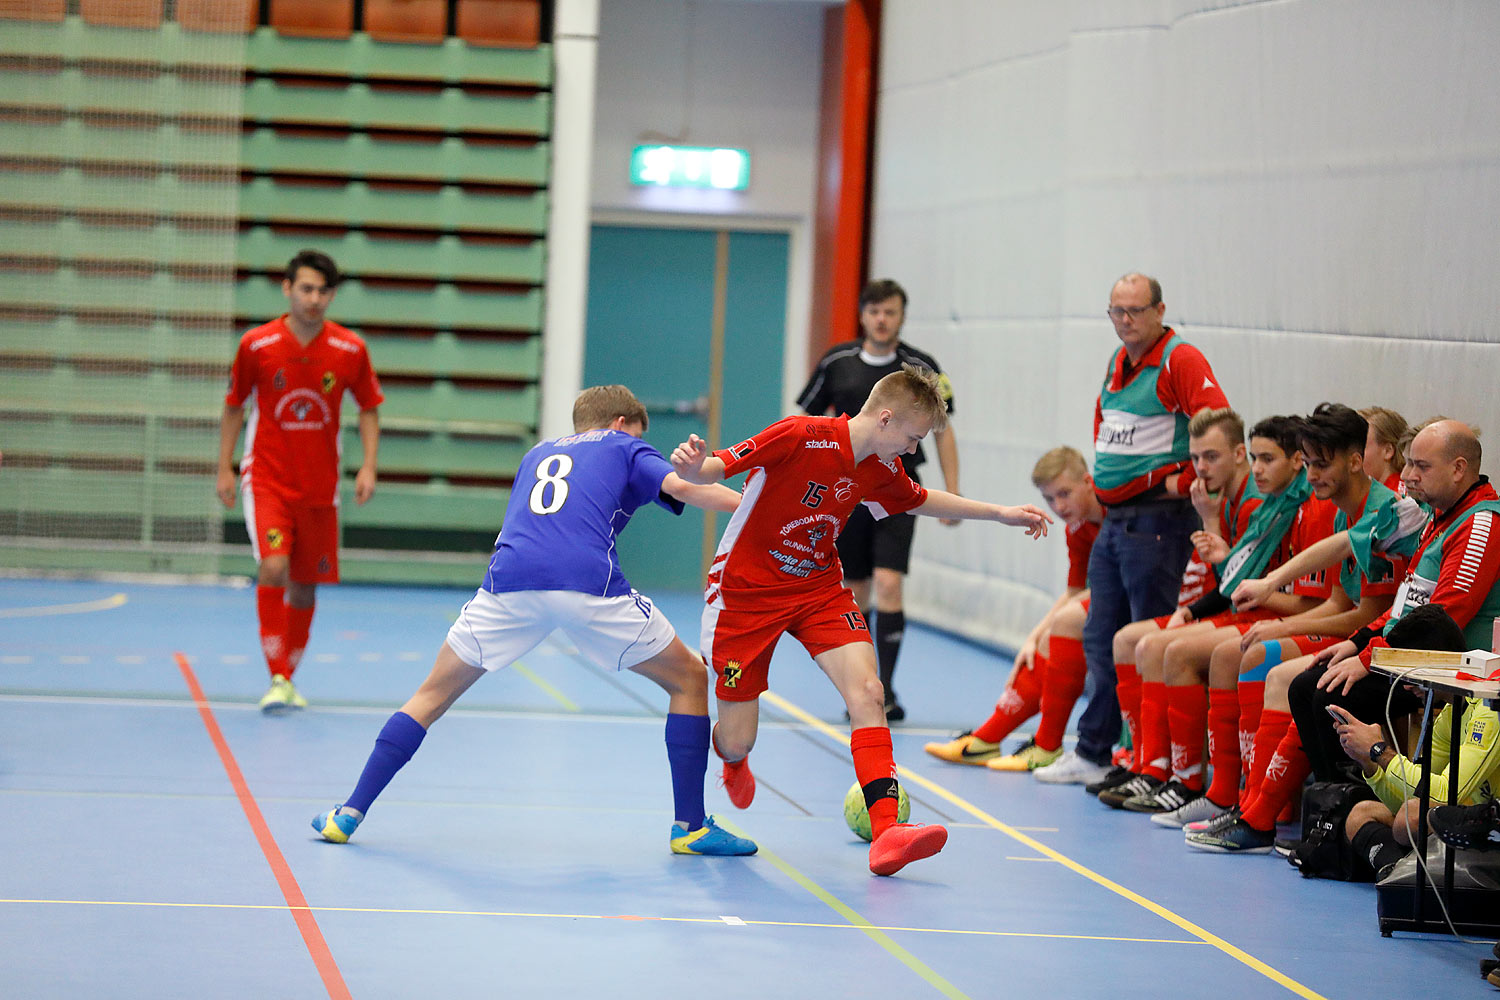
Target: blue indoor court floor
(155,839)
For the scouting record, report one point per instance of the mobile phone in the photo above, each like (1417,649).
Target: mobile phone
(1338,716)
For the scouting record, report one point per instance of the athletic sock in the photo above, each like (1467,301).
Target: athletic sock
(1224,746)
(1285,771)
(1061,687)
(687,757)
(1187,718)
(270,610)
(398,740)
(1374,846)
(298,626)
(1156,742)
(1018,702)
(889,628)
(875,768)
(1268,736)
(1252,698)
(1128,691)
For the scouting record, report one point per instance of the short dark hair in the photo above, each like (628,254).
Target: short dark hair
(879,291)
(1427,627)
(318,261)
(1282,430)
(1330,429)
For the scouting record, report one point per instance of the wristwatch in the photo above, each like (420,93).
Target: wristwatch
(1376,749)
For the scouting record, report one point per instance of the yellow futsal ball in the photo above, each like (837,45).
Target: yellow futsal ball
(858,816)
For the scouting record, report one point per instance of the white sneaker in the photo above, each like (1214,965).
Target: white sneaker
(1198,809)
(1071,769)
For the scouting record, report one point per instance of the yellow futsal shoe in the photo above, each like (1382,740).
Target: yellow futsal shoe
(294,697)
(279,698)
(1028,758)
(966,748)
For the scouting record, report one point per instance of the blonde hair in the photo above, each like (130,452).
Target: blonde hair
(1206,420)
(1057,461)
(1390,429)
(912,389)
(599,405)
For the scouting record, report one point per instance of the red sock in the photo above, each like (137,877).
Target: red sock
(270,607)
(874,760)
(1187,717)
(298,625)
(1268,736)
(1153,756)
(1066,672)
(1287,768)
(1224,746)
(1017,703)
(1252,697)
(1128,691)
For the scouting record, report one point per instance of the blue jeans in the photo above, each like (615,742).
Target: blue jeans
(1135,572)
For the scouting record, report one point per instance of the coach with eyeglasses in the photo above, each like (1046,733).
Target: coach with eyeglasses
(1155,382)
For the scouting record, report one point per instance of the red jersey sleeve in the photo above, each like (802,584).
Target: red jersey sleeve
(895,494)
(1189,385)
(365,385)
(766,448)
(1314,523)
(241,376)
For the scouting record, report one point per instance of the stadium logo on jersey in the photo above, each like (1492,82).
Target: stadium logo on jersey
(742,449)
(260,342)
(732,673)
(303,410)
(278,381)
(328,382)
(343,345)
(821,444)
(274,538)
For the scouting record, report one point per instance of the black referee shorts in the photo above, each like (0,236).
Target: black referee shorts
(866,544)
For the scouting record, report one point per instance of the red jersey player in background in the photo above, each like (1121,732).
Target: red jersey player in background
(777,571)
(297,367)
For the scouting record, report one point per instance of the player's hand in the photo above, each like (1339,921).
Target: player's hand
(1211,548)
(1203,501)
(687,458)
(1334,653)
(364,484)
(1025,659)
(224,486)
(1180,617)
(1343,674)
(1357,737)
(1251,594)
(1262,632)
(1028,516)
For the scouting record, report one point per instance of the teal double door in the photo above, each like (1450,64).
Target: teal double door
(693,321)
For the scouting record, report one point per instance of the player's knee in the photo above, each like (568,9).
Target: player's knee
(888,590)
(275,571)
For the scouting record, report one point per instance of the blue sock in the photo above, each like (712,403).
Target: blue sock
(397,741)
(687,754)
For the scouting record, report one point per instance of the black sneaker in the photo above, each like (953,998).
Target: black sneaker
(1140,784)
(1173,795)
(1284,846)
(1468,828)
(1116,776)
(894,712)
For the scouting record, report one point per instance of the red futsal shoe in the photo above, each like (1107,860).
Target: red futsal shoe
(739,783)
(903,843)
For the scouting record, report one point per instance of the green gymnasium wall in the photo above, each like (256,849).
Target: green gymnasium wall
(153,183)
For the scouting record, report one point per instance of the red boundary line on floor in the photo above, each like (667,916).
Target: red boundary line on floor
(333,980)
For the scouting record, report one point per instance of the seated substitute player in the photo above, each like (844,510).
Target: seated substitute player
(297,367)
(555,566)
(776,572)
(1224,496)
(1384,451)
(1050,670)
(1247,713)
(1288,520)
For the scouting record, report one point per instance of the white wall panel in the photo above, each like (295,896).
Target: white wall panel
(1315,182)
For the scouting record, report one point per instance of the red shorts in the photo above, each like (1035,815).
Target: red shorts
(738,644)
(309,535)
(1241,620)
(1310,644)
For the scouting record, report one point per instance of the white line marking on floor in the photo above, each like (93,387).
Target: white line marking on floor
(409,655)
(369,657)
(327,658)
(73,660)
(132,658)
(733,921)
(234,658)
(15,659)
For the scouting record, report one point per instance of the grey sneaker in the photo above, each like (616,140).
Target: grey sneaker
(1071,769)
(1215,823)
(1195,811)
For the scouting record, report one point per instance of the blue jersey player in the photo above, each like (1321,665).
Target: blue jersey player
(555,567)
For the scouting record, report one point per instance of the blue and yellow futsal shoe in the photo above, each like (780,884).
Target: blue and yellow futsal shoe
(339,823)
(709,840)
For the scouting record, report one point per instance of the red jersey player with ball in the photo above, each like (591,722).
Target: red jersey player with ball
(776,571)
(297,367)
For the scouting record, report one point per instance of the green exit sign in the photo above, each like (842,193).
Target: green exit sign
(690,166)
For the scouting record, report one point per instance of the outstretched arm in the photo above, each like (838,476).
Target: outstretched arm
(713,496)
(1321,554)
(692,462)
(942,504)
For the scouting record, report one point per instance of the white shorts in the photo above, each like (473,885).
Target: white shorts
(495,630)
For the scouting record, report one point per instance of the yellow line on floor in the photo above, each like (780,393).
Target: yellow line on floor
(1208,937)
(42,610)
(397,911)
(537,679)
